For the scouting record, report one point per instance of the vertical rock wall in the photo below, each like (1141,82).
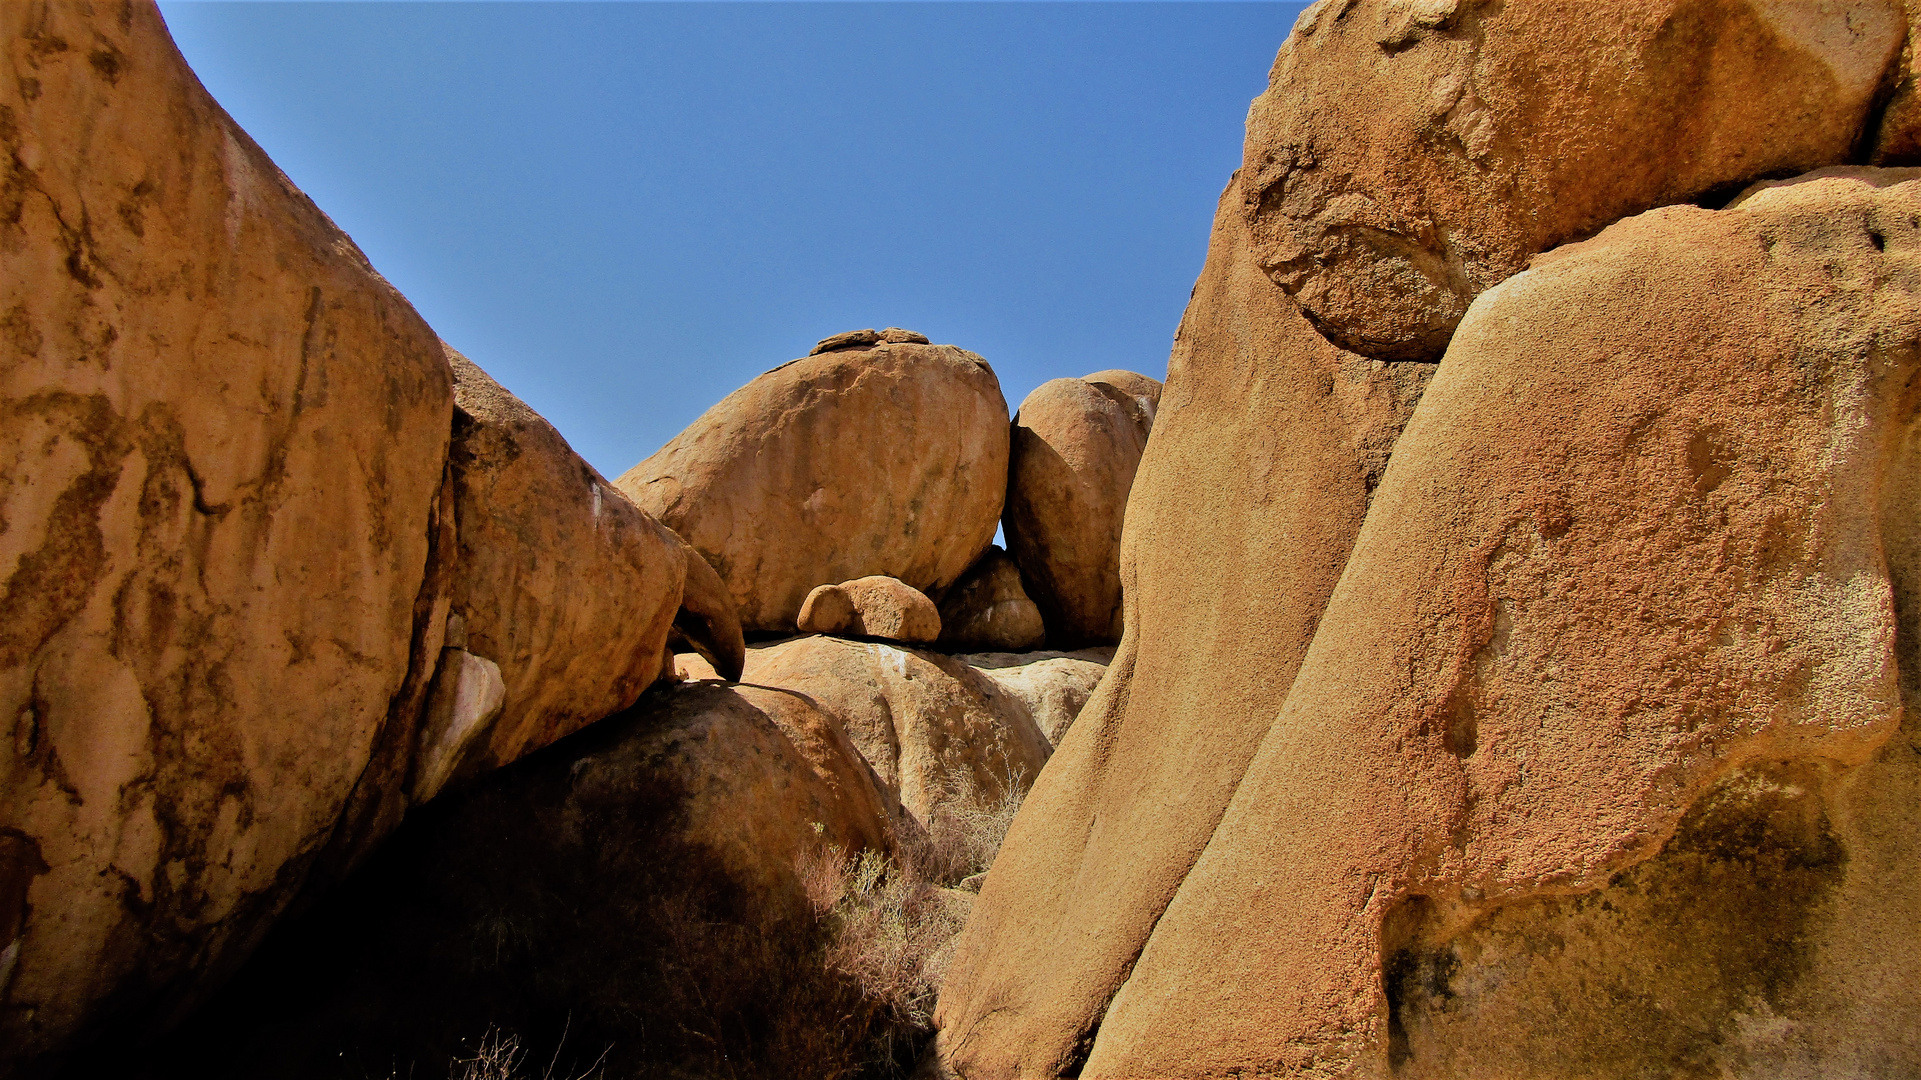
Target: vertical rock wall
(223,435)
(1266,447)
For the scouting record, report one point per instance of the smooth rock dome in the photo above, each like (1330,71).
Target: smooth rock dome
(873,457)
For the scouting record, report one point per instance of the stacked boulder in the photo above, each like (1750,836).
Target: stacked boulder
(877,454)
(1547,711)
(282,567)
(1077,444)
(880,455)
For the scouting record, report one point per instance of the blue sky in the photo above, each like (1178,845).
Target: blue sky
(626,210)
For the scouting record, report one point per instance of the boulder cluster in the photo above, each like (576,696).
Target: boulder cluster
(282,568)
(1498,664)
(877,467)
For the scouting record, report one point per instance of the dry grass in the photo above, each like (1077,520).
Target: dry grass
(501,1057)
(890,924)
(965,833)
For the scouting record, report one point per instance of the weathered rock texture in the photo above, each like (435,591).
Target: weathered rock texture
(872,607)
(252,611)
(876,458)
(855,339)
(989,609)
(1896,139)
(559,579)
(1624,594)
(223,438)
(632,889)
(1409,154)
(1075,447)
(1266,447)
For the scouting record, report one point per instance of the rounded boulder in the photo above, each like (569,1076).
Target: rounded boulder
(874,457)
(1076,445)
(871,607)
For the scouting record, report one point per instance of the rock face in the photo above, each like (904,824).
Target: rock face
(224,438)
(254,611)
(559,579)
(1623,617)
(1409,154)
(1076,444)
(670,833)
(871,607)
(988,609)
(878,457)
(1267,445)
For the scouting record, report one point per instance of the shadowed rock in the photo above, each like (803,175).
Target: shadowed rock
(1075,447)
(988,609)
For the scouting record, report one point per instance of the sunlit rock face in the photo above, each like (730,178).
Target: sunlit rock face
(877,455)
(274,570)
(1602,721)
(1409,154)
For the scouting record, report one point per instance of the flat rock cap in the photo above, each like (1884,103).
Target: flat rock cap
(860,339)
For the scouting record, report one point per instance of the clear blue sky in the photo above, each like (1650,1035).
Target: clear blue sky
(626,210)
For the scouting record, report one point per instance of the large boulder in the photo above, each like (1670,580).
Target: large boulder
(223,441)
(559,581)
(1076,445)
(1409,154)
(871,607)
(1267,446)
(988,608)
(637,889)
(1595,765)
(874,457)
(254,611)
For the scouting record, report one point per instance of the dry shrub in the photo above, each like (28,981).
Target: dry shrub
(890,924)
(965,832)
(501,1057)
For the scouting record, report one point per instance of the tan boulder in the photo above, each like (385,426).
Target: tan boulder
(883,457)
(242,577)
(224,438)
(1896,138)
(871,607)
(1602,723)
(559,580)
(1266,448)
(988,609)
(1076,444)
(1409,154)
(934,729)
(1054,686)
